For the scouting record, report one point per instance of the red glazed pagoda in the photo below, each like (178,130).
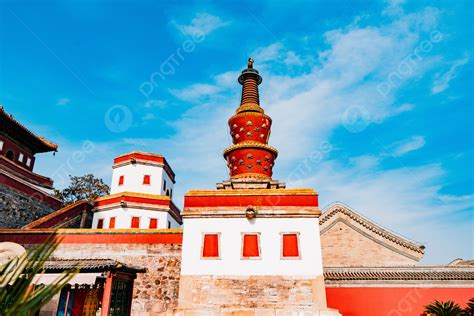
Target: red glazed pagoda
(250,159)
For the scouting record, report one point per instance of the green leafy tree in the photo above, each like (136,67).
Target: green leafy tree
(448,308)
(18,294)
(86,187)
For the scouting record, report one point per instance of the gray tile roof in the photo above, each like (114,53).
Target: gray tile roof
(428,273)
(88,265)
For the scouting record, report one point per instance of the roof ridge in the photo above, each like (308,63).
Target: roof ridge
(335,207)
(45,218)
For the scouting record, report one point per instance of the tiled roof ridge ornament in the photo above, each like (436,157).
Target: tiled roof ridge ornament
(250,132)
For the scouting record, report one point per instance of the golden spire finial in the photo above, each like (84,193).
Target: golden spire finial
(250,64)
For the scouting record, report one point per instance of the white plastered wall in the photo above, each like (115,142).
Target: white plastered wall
(133,179)
(123,218)
(270,262)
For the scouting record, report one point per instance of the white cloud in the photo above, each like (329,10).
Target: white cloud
(408,145)
(268,53)
(153,103)
(77,159)
(148,117)
(306,109)
(278,53)
(293,59)
(442,81)
(394,7)
(63,101)
(407,200)
(195,91)
(405,107)
(201,25)
(227,79)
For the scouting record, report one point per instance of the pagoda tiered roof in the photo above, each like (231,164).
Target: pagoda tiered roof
(17,131)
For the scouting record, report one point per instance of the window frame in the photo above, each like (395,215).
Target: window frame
(242,257)
(149,224)
(100,222)
(121,180)
(21,157)
(131,222)
(298,243)
(203,236)
(146,176)
(112,220)
(28,162)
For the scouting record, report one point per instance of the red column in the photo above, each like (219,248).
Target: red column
(107,296)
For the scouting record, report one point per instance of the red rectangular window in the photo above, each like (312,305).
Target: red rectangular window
(135,222)
(112,222)
(250,246)
(290,245)
(100,223)
(121,180)
(146,179)
(153,223)
(210,248)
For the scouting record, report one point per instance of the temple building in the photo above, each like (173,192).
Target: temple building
(141,193)
(251,246)
(251,235)
(24,194)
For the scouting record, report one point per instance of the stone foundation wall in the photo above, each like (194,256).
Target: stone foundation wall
(252,292)
(155,291)
(17,210)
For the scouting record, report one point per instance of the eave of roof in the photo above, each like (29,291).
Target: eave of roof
(89,265)
(59,212)
(38,143)
(142,156)
(338,207)
(415,273)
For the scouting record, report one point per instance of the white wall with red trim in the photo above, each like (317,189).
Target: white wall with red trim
(133,175)
(123,218)
(231,263)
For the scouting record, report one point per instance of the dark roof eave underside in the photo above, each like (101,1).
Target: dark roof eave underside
(16,131)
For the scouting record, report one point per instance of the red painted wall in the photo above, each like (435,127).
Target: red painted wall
(94,236)
(246,200)
(16,149)
(392,301)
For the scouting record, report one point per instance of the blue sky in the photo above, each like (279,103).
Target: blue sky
(371,101)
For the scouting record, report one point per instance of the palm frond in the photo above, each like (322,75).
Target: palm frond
(448,308)
(18,293)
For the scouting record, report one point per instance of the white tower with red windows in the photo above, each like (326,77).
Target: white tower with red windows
(141,194)
(251,246)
